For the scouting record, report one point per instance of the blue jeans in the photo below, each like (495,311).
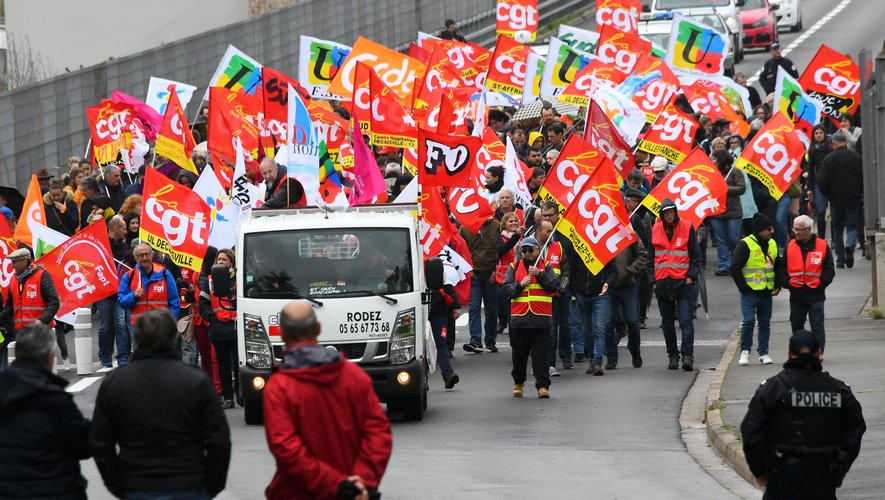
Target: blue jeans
(595,318)
(815,314)
(191,494)
(845,222)
(726,233)
(442,349)
(483,292)
(820,209)
(756,308)
(577,330)
(112,330)
(682,307)
(560,332)
(782,221)
(623,300)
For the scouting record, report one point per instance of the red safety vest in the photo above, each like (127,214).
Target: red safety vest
(504,262)
(223,314)
(806,271)
(156,294)
(533,299)
(187,275)
(671,256)
(28,304)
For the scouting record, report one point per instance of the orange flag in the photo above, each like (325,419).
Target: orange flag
(175,140)
(671,135)
(32,211)
(7,246)
(774,155)
(696,186)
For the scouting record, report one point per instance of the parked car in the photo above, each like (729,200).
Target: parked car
(729,10)
(759,23)
(789,14)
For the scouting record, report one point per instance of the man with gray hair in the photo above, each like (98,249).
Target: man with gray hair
(807,271)
(112,187)
(43,435)
(840,180)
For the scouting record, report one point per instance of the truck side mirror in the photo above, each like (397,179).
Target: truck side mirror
(220,281)
(433,273)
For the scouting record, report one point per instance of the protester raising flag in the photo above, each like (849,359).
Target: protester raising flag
(774,155)
(801,109)
(696,186)
(175,140)
(596,222)
(82,268)
(32,211)
(576,163)
(671,135)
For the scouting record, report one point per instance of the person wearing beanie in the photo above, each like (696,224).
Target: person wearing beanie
(803,428)
(531,289)
(755,269)
(676,263)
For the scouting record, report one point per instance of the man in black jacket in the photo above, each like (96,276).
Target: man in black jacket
(62,213)
(282,191)
(112,187)
(841,181)
(165,418)
(43,435)
(768,78)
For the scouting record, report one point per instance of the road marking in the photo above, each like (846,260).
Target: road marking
(82,384)
(805,35)
(104,370)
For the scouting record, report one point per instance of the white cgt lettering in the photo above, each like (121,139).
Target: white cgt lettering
(602,221)
(176,226)
(776,158)
(690,193)
(835,83)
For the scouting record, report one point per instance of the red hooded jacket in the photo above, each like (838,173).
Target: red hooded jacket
(324,423)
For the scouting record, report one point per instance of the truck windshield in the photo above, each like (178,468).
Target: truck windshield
(327,263)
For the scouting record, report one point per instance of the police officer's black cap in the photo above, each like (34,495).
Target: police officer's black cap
(803,340)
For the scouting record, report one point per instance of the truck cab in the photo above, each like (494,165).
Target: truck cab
(362,271)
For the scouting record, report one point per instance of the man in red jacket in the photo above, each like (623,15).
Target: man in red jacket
(325,425)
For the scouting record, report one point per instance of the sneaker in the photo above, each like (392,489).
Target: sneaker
(765,359)
(451,380)
(66,366)
(637,359)
(491,348)
(674,362)
(517,391)
(553,372)
(474,348)
(688,363)
(611,364)
(543,393)
(849,258)
(579,358)
(745,358)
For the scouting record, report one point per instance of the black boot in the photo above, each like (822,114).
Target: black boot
(688,363)
(637,359)
(674,362)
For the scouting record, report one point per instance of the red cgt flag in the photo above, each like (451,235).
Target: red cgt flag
(671,135)
(233,114)
(436,228)
(82,268)
(576,164)
(445,160)
(7,246)
(774,155)
(834,79)
(602,134)
(696,186)
(175,140)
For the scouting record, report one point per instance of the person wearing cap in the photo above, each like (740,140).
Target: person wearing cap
(31,296)
(660,168)
(9,216)
(531,289)
(840,180)
(768,78)
(755,269)
(555,248)
(43,178)
(676,264)
(803,428)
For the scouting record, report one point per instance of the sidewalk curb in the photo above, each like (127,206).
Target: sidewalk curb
(721,439)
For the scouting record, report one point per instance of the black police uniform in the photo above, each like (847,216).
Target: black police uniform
(802,431)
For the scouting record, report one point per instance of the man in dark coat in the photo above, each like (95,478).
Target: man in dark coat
(841,180)
(43,435)
(282,191)
(61,210)
(768,79)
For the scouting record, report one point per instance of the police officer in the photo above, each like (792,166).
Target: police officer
(803,428)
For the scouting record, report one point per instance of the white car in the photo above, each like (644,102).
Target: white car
(788,13)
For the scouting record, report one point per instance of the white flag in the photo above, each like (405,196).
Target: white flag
(225,216)
(159,90)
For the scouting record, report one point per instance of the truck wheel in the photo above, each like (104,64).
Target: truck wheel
(253,412)
(414,408)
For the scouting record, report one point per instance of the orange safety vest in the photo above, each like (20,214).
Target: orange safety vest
(806,271)
(156,294)
(533,298)
(28,304)
(671,256)
(187,276)
(222,313)
(504,262)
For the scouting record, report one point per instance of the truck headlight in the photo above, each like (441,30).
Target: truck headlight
(402,343)
(258,351)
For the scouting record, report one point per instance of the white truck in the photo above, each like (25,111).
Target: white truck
(362,271)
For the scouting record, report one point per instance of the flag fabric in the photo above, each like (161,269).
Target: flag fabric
(695,48)
(774,155)
(671,135)
(833,79)
(436,228)
(330,128)
(82,268)
(696,186)
(561,67)
(578,39)
(445,160)
(33,211)
(224,216)
(159,90)
(109,130)
(791,100)
(242,192)
(709,100)
(174,220)
(515,173)
(603,135)
(397,70)
(391,125)
(621,14)
(409,194)
(318,63)
(469,207)
(275,101)
(236,72)
(302,147)
(531,88)
(150,118)
(440,74)
(596,221)
(517,17)
(331,195)
(368,181)
(175,140)
(621,50)
(233,114)
(594,75)
(7,246)
(622,112)
(657,87)
(45,239)
(507,71)
(573,168)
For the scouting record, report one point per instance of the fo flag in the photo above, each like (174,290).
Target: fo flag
(696,49)
(82,268)
(517,16)
(596,222)
(774,155)
(175,140)
(577,161)
(174,220)
(696,186)
(801,109)
(834,80)
(444,160)
(671,135)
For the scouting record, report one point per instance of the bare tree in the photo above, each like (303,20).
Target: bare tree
(24,66)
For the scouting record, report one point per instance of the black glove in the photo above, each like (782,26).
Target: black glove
(348,490)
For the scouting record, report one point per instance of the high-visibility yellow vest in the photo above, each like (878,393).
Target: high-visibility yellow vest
(759,269)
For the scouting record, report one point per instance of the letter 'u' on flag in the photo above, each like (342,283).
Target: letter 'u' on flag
(773,156)
(32,211)
(696,186)
(597,222)
(695,48)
